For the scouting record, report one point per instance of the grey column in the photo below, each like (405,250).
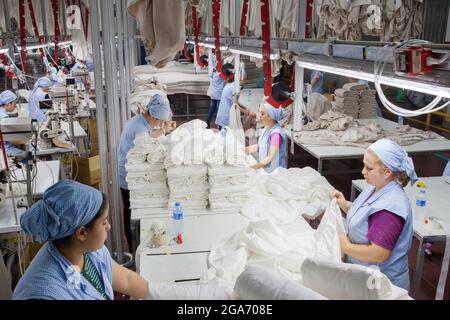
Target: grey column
(101,118)
(113,114)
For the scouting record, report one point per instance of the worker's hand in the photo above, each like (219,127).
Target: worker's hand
(340,199)
(171,125)
(344,241)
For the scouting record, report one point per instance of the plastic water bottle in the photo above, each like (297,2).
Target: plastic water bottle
(421,202)
(177,223)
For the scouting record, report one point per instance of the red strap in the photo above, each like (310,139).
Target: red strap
(216,17)
(23,35)
(309,4)
(267,66)
(35,27)
(57,32)
(243,18)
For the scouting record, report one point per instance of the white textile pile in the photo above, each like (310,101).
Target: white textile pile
(274,196)
(143,91)
(176,77)
(265,243)
(356,101)
(332,119)
(146,176)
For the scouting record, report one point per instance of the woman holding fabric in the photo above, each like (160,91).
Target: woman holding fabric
(73,264)
(271,146)
(379,222)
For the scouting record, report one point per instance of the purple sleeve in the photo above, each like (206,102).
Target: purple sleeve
(385,228)
(276,139)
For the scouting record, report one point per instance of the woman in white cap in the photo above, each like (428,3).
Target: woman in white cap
(8,104)
(74,263)
(154,121)
(379,222)
(39,93)
(272,143)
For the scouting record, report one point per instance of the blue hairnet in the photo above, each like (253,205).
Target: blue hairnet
(159,107)
(7,96)
(276,114)
(43,82)
(394,157)
(65,206)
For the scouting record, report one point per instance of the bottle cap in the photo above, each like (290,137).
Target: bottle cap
(420,184)
(177,204)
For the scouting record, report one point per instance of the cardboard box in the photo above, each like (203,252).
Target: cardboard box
(95,151)
(88,170)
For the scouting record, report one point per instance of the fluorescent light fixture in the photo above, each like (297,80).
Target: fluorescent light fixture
(208,45)
(390,81)
(33,47)
(3,51)
(273,56)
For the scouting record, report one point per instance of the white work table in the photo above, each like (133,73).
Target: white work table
(438,205)
(187,261)
(329,152)
(7,220)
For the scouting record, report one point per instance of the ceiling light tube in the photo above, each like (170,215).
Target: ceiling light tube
(390,81)
(33,47)
(61,44)
(3,51)
(273,56)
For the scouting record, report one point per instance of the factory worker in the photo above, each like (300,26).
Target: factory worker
(79,65)
(8,104)
(317,82)
(156,121)
(55,78)
(39,93)
(379,222)
(74,263)
(272,143)
(229,97)
(216,88)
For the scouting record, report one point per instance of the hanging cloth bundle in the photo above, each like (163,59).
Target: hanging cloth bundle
(197,24)
(23,36)
(57,32)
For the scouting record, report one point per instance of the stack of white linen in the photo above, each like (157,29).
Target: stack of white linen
(146,176)
(142,92)
(228,178)
(186,172)
(356,101)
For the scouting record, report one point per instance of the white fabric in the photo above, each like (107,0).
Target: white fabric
(202,291)
(271,197)
(261,283)
(345,281)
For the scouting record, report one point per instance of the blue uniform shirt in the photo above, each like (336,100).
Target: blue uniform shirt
(318,87)
(280,159)
(51,277)
(217,85)
(226,101)
(9,147)
(134,126)
(392,198)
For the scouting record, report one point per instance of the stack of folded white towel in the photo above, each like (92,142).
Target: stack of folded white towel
(186,172)
(146,176)
(356,101)
(229,176)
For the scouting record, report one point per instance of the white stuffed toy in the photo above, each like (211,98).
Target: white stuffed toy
(158,234)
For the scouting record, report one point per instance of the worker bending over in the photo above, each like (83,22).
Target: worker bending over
(272,143)
(379,222)
(39,93)
(155,121)
(74,264)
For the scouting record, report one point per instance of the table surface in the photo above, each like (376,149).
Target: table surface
(438,203)
(332,151)
(7,221)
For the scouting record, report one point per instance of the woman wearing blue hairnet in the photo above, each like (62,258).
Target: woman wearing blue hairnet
(271,145)
(40,92)
(379,222)
(73,264)
(8,104)
(156,121)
